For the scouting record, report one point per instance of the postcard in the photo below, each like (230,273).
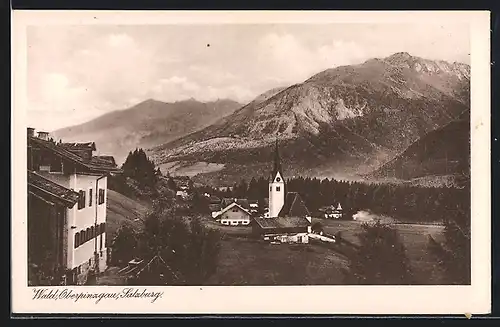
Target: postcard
(237,162)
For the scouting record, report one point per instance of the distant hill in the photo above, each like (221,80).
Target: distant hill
(147,124)
(122,210)
(441,155)
(342,122)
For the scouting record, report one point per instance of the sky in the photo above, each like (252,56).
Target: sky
(77,73)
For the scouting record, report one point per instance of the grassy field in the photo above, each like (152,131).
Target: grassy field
(246,261)
(123,210)
(414,237)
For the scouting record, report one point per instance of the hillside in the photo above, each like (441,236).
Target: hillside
(443,154)
(341,122)
(147,124)
(123,210)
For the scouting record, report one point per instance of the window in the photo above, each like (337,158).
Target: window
(81,199)
(77,240)
(277,188)
(271,188)
(90,261)
(56,165)
(235,210)
(101,196)
(100,243)
(90,197)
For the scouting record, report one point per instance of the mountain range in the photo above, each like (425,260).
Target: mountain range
(378,119)
(343,122)
(147,124)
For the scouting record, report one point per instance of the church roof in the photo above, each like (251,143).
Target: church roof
(282,222)
(294,206)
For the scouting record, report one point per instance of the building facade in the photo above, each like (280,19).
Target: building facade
(72,167)
(234,215)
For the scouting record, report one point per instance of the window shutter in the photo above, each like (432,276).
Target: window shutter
(90,197)
(77,240)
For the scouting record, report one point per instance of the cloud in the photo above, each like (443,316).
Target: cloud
(79,72)
(289,59)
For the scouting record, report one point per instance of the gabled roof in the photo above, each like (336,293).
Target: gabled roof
(93,165)
(294,206)
(232,205)
(79,146)
(38,183)
(106,160)
(282,222)
(242,202)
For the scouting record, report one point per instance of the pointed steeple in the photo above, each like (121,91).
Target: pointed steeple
(277,161)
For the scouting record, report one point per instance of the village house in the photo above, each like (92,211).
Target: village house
(232,211)
(289,220)
(332,211)
(67,191)
(234,215)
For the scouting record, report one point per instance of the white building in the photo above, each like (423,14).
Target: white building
(233,215)
(59,170)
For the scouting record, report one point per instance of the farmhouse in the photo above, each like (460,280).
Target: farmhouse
(234,214)
(333,211)
(287,219)
(67,189)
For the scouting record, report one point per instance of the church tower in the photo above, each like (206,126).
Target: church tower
(276,186)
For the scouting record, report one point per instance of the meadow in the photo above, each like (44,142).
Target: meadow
(247,261)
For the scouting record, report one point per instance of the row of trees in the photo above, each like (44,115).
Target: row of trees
(408,203)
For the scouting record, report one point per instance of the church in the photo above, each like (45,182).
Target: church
(288,220)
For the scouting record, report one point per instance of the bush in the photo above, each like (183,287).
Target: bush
(380,259)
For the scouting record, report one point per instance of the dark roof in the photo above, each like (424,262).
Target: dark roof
(39,183)
(282,222)
(79,146)
(93,165)
(294,206)
(214,207)
(214,199)
(104,160)
(242,202)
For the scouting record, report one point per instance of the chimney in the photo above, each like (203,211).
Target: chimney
(31,132)
(43,136)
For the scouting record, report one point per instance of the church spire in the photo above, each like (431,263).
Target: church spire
(277,161)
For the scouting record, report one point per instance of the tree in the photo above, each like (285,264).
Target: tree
(124,245)
(190,250)
(381,258)
(454,254)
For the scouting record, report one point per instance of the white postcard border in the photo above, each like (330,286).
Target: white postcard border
(473,299)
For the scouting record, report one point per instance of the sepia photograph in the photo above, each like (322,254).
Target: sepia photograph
(248,154)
